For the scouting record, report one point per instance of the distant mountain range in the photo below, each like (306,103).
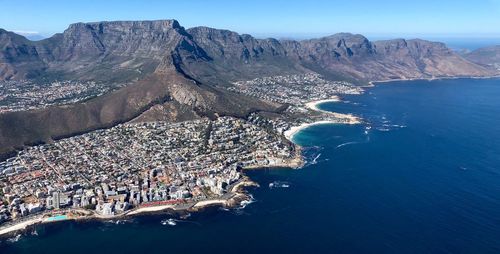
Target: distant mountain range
(177,74)
(488,56)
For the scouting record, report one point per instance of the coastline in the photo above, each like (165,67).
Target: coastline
(210,202)
(20,226)
(237,194)
(349,119)
(150,209)
(313,105)
(297,161)
(233,198)
(290,133)
(372,83)
(332,99)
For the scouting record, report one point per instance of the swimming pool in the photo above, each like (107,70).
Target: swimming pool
(57,217)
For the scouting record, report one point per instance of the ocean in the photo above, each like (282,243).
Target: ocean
(421,175)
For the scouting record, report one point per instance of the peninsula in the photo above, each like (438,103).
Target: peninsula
(113,119)
(148,167)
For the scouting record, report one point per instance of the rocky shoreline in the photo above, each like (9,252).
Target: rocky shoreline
(233,199)
(372,83)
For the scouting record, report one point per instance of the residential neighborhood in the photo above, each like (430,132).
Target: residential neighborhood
(111,171)
(294,89)
(28,94)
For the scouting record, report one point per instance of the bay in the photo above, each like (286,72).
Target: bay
(420,175)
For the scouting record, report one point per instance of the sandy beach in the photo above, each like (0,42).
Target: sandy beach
(210,202)
(348,118)
(20,226)
(295,129)
(313,105)
(150,209)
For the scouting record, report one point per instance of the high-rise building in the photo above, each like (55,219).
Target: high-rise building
(49,202)
(56,199)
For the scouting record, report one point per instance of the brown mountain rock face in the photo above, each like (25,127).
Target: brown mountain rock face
(18,57)
(488,56)
(344,56)
(355,56)
(174,74)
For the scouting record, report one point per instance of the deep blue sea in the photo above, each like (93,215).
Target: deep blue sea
(422,175)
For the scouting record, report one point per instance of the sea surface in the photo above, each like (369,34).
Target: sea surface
(421,175)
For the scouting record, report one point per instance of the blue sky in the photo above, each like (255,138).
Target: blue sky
(266,18)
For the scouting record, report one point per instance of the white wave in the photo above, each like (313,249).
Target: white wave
(169,222)
(347,143)
(117,221)
(315,160)
(398,126)
(394,125)
(14,239)
(185,216)
(245,203)
(279,184)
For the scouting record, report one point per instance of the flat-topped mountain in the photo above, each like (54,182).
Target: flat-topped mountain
(176,74)
(124,50)
(102,50)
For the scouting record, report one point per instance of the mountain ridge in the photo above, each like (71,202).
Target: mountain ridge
(487,56)
(91,41)
(175,74)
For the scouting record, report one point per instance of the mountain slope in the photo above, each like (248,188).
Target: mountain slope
(488,56)
(129,50)
(174,74)
(424,59)
(148,55)
(340,56)
(18,57)
(236,57)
